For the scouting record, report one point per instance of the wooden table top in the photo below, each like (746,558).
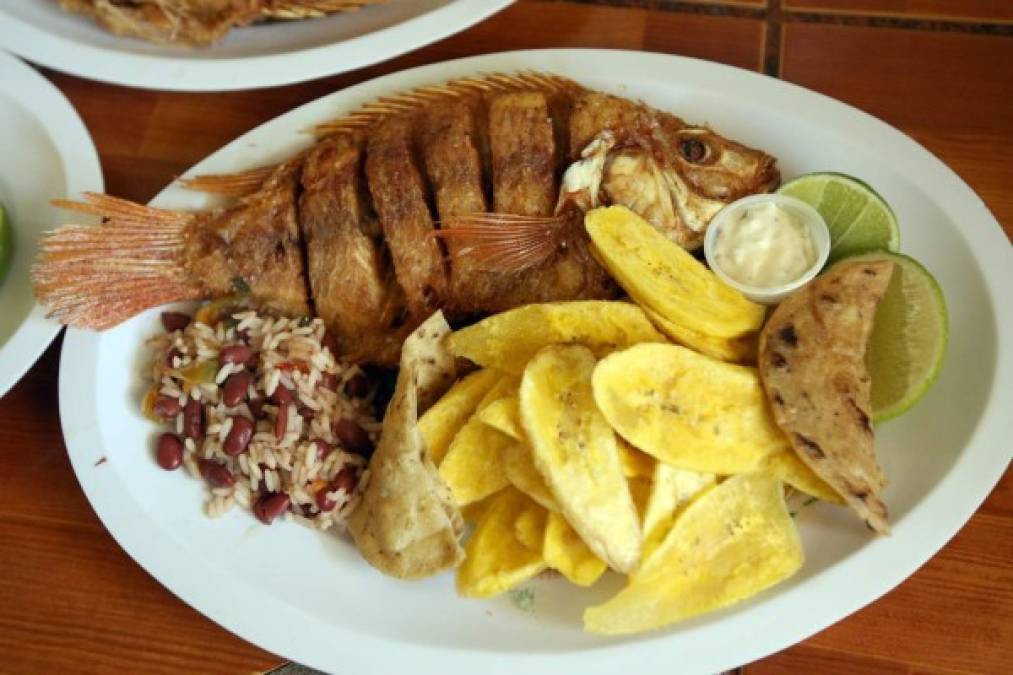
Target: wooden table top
(941,70)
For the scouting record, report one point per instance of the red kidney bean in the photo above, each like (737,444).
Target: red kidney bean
(257,407)
(166,407)
(244,336)
(281,395)
(169,451)
(236,388)
(345,480)
(175,321)
(329,381)
(170,355)
(239,436)
(306,412)
(281,422)
(193,419)
(357,386)
(235,354)
(325,503)
(353,437)
(323,448)
(270,506)
(215,473)
(330,341)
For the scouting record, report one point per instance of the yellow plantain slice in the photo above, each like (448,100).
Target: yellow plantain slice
(566,552)
(687,409)
(495,561)
(787,466)
(441,422)
(671,489)
(576,452)
(640,492)
(731,543)
(508,340)
(504,415)
(636,464)
(735,350)
(530,527)
(657,273)
(474,511)
(523,475)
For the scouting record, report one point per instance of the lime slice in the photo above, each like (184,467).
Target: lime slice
(5,242)
(858,218)
(909,337)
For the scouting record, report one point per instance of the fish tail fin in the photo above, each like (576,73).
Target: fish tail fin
(230,184)
(501,241)
(95,276)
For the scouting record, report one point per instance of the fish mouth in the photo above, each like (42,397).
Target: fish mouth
(768,176)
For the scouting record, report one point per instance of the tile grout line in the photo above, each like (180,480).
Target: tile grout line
(773,39)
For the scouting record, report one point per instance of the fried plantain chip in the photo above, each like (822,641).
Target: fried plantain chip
(687,409)
(636,464)
(734,350)
(495,561)
(504,415)
(441,422)
(567,553)
(731,543)
(576,452)
(530,526)
(474,511)
(671,489)
(507,341)
(657,273)
(523,475)
(787,466)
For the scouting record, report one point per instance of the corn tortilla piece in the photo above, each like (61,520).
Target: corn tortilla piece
(734,350)
(495,561)
(508,340)
(441,422)
(576,452)
(523,475)
(529,528)
(407,525)
(687,409)
(671,489)
(567,553)
(504,416)
(658,274)
(733,542)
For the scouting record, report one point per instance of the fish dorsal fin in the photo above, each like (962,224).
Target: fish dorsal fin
(454,90)
(230,184)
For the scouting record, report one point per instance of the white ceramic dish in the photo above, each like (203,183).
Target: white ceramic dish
(312,599)
(45,153)
(264,55)
(809,218)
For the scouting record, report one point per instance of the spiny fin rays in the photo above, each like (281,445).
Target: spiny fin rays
(502,242)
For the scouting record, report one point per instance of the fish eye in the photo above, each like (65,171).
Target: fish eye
(692,150)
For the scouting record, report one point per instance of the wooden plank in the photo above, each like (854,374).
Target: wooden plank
(950,91)
(809,659)
(960,10)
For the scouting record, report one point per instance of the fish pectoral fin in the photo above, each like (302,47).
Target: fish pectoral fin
(502,242)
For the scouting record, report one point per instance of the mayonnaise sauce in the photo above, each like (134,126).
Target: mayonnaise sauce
(765,247)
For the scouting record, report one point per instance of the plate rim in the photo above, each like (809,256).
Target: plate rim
(82,171)
(981,468)
(240,73)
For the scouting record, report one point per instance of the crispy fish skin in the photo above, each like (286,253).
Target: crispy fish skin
(812,366)
(399,197)
(523,147)
(255,243)
(352,282)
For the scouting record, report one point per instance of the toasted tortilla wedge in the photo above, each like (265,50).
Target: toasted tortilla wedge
(407,525)
(812,365)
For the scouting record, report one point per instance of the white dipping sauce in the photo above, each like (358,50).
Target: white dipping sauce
(765,246)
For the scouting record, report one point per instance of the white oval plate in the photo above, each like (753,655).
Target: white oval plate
(45,153)
(311,598)
(263,55)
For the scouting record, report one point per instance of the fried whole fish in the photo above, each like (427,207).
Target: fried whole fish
(466,196)
(198,22)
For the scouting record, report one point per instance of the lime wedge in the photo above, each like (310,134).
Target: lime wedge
(909,337)
(5,242)
(858,218)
